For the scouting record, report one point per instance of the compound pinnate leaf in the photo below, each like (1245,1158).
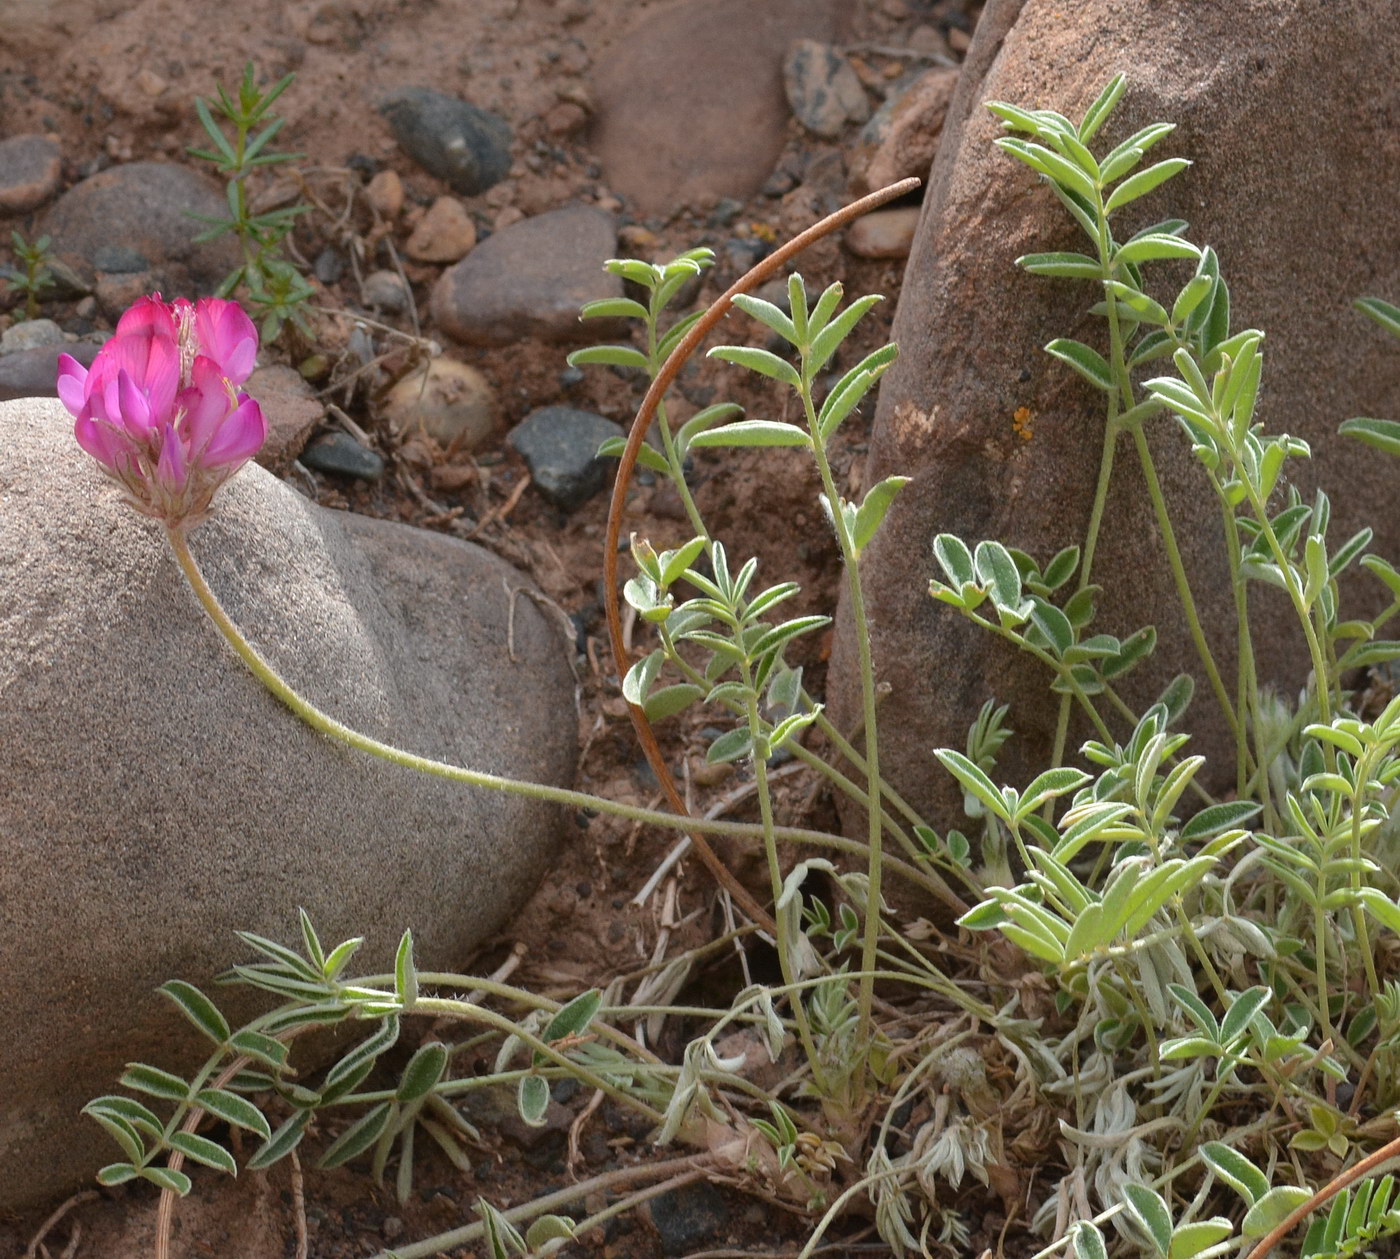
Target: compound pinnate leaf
(1150,1211)
(405,973)
(1382,434)
(167,1178)
(141,1078)
(1191,1239)
(1383,313)
(1272,1209)
(1235,1170)
(648,456)
(752,433)
(609,356)
(1143,182)
(764,362)
(670,700)
(117,1174)
(874,507)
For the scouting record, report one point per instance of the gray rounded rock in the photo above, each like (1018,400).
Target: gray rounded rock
(152,203)
(156,798)
(530,279)
(466,147)
(30,169)
(33,372)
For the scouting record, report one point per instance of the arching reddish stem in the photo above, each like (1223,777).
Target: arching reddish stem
(670,369)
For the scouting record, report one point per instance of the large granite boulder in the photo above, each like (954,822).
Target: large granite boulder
(1292,131)
(154,798)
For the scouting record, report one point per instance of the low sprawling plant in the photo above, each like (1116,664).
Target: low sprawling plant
(1168,1012)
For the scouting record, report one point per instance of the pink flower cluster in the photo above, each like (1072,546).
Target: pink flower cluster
(160,409)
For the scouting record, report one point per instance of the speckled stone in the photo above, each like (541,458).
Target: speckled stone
(156,799)
(30,169)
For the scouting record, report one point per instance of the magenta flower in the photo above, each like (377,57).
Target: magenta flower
(159,408)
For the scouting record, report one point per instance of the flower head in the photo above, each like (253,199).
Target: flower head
(159,409)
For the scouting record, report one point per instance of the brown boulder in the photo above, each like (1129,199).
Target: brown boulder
(1293,137)
(690,103)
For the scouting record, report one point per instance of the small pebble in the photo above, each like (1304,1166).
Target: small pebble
(385,193)
(445,233)
(884,234)
(329,265)
(383,290)
(565,118)
(341,454)
(150,82)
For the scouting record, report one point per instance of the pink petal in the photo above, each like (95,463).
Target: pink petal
(72,383)
(100,440)
(172,469)
(240,437)
(135,410)
(148,316)
(227,336)
(206,404)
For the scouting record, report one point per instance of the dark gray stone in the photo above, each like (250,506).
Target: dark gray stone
(29,334)
(689,1218)
(466,147)
(340,453)
(30,169)
(560,446)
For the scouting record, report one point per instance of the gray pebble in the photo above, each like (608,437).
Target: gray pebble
(29,335)
(385,291)
(466,147)
(342,454)
(560,446)
(329,265)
